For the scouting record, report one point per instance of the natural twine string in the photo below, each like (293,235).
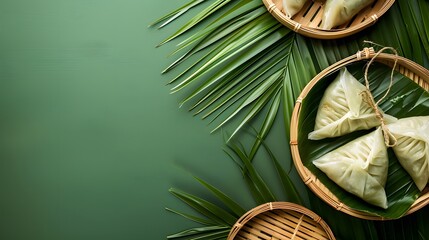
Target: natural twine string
(389,139)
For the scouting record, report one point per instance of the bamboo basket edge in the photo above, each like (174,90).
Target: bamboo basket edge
(279,206)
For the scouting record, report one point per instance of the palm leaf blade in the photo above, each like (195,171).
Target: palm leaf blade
(235,207)
(198,233)
(254,96)
(255,179)
(212,35)
(168,18)
(232,86)
(206,208)
(228,51)
(197,19)
(192,217)
(288,187)
(267,124)
(232,66)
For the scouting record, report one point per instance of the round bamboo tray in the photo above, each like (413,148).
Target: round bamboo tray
(307,21)
(280,220)
(412,70)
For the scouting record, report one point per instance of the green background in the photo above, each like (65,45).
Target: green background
(91,140)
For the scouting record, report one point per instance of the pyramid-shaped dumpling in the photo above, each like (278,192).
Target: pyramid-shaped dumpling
(338,12)
(292,7)
(412,147)
(359,167)
(343,110)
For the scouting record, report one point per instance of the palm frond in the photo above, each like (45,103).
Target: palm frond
(298,70)
(266,125)
(231,204)
(208,209)
(259,98)
(226,24)
(212,232)
(202,221)
(201,16)
(218,218)
(170,17)
(289,189)
(251,39)
(258,186)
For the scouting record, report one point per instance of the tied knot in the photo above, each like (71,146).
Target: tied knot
(389,139)
(367,97)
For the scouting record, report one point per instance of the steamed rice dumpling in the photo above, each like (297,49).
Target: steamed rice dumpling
(343,110)
(412,147)
(337,12)
(359,167)
(292,7)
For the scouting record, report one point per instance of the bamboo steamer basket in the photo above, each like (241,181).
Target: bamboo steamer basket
(307,20)
(412,70)
(280,220)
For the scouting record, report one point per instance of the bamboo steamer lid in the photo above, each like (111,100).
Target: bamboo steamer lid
(307,20)
(280,221)
(408,68)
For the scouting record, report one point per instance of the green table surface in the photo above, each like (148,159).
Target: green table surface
(91,140)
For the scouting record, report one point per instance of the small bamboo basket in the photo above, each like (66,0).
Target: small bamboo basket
(410,69)
(307,21)
(280,220)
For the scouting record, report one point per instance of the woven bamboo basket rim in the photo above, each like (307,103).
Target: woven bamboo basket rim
(280,220)
(408,68)
(307,20)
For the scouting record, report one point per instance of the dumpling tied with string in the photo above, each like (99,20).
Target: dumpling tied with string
(412,147)
(359,167)
(343,109)
(292,7)
(337,12)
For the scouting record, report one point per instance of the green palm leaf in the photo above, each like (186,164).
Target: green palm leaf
(193,218)
(231,204)
(210,210)
(266,125)
(218,4)
(249,41)
(170,17)
(215,32)
(217,219)
(298,71)
(239,84)
(291,193)
(253,178)
(212,232)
